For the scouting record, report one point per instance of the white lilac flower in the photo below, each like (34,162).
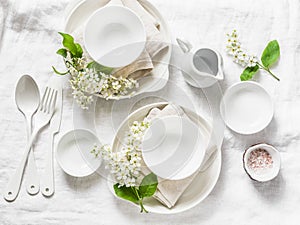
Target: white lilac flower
(243,58)
(86,82)
(240,56)
(230,50)
(236,58)
(252,61)
(125,165)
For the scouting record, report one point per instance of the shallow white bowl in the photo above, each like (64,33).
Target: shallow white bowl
(74,153)
(173,147)
(246,107)
(114,36)
(269,173)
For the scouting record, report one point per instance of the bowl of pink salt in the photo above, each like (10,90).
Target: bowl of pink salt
(262,162)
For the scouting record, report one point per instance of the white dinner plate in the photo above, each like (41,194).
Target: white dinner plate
(77,14)
(73,153)
(246,107)
(202,184)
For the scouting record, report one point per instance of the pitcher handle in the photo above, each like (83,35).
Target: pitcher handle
(185,45)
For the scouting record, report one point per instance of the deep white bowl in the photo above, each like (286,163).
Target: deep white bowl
(73,153)
(114,36)
(173,147)
(246,107)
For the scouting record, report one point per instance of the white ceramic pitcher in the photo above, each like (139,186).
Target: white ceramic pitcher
(201,67)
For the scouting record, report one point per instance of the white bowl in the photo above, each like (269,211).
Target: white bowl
(114,36)
(173,147)
(74,153)
(268,173)
(246,107)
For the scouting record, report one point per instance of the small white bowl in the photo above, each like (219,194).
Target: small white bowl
(114,36)
(173,147)
(246,107)
(268,173)
(73,153)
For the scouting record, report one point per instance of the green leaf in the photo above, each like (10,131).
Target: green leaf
(62,52)
(59,73)
(68,43)
(148,185)
(270,54)
(248,73)
(79,50)
(99,68)
(90,65)
(126,193)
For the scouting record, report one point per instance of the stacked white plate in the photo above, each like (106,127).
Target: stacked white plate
(78,13)
(203,183)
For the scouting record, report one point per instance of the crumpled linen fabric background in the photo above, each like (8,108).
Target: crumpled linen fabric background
(28,44)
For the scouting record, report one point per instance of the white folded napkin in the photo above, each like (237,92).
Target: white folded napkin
(169,191)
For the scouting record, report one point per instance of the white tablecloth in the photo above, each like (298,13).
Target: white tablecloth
(28,45)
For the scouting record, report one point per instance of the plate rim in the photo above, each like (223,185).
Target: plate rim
(217,160)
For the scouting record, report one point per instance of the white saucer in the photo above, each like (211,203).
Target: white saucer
(73,153)
(202,184)
(246,107)
(173,147)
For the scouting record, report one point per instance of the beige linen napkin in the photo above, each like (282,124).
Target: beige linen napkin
(169,191)
(155,46)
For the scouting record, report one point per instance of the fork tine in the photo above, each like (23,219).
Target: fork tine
(52,102)
(49,100)
(44,99)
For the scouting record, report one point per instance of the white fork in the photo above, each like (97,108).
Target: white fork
(42,118)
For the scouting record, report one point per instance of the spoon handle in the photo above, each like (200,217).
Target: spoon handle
(13,187)
(47,178)
(32,181)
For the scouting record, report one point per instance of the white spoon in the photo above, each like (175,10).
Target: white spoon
(27,98)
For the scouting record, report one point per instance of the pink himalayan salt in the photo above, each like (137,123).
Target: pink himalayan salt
(260,160)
